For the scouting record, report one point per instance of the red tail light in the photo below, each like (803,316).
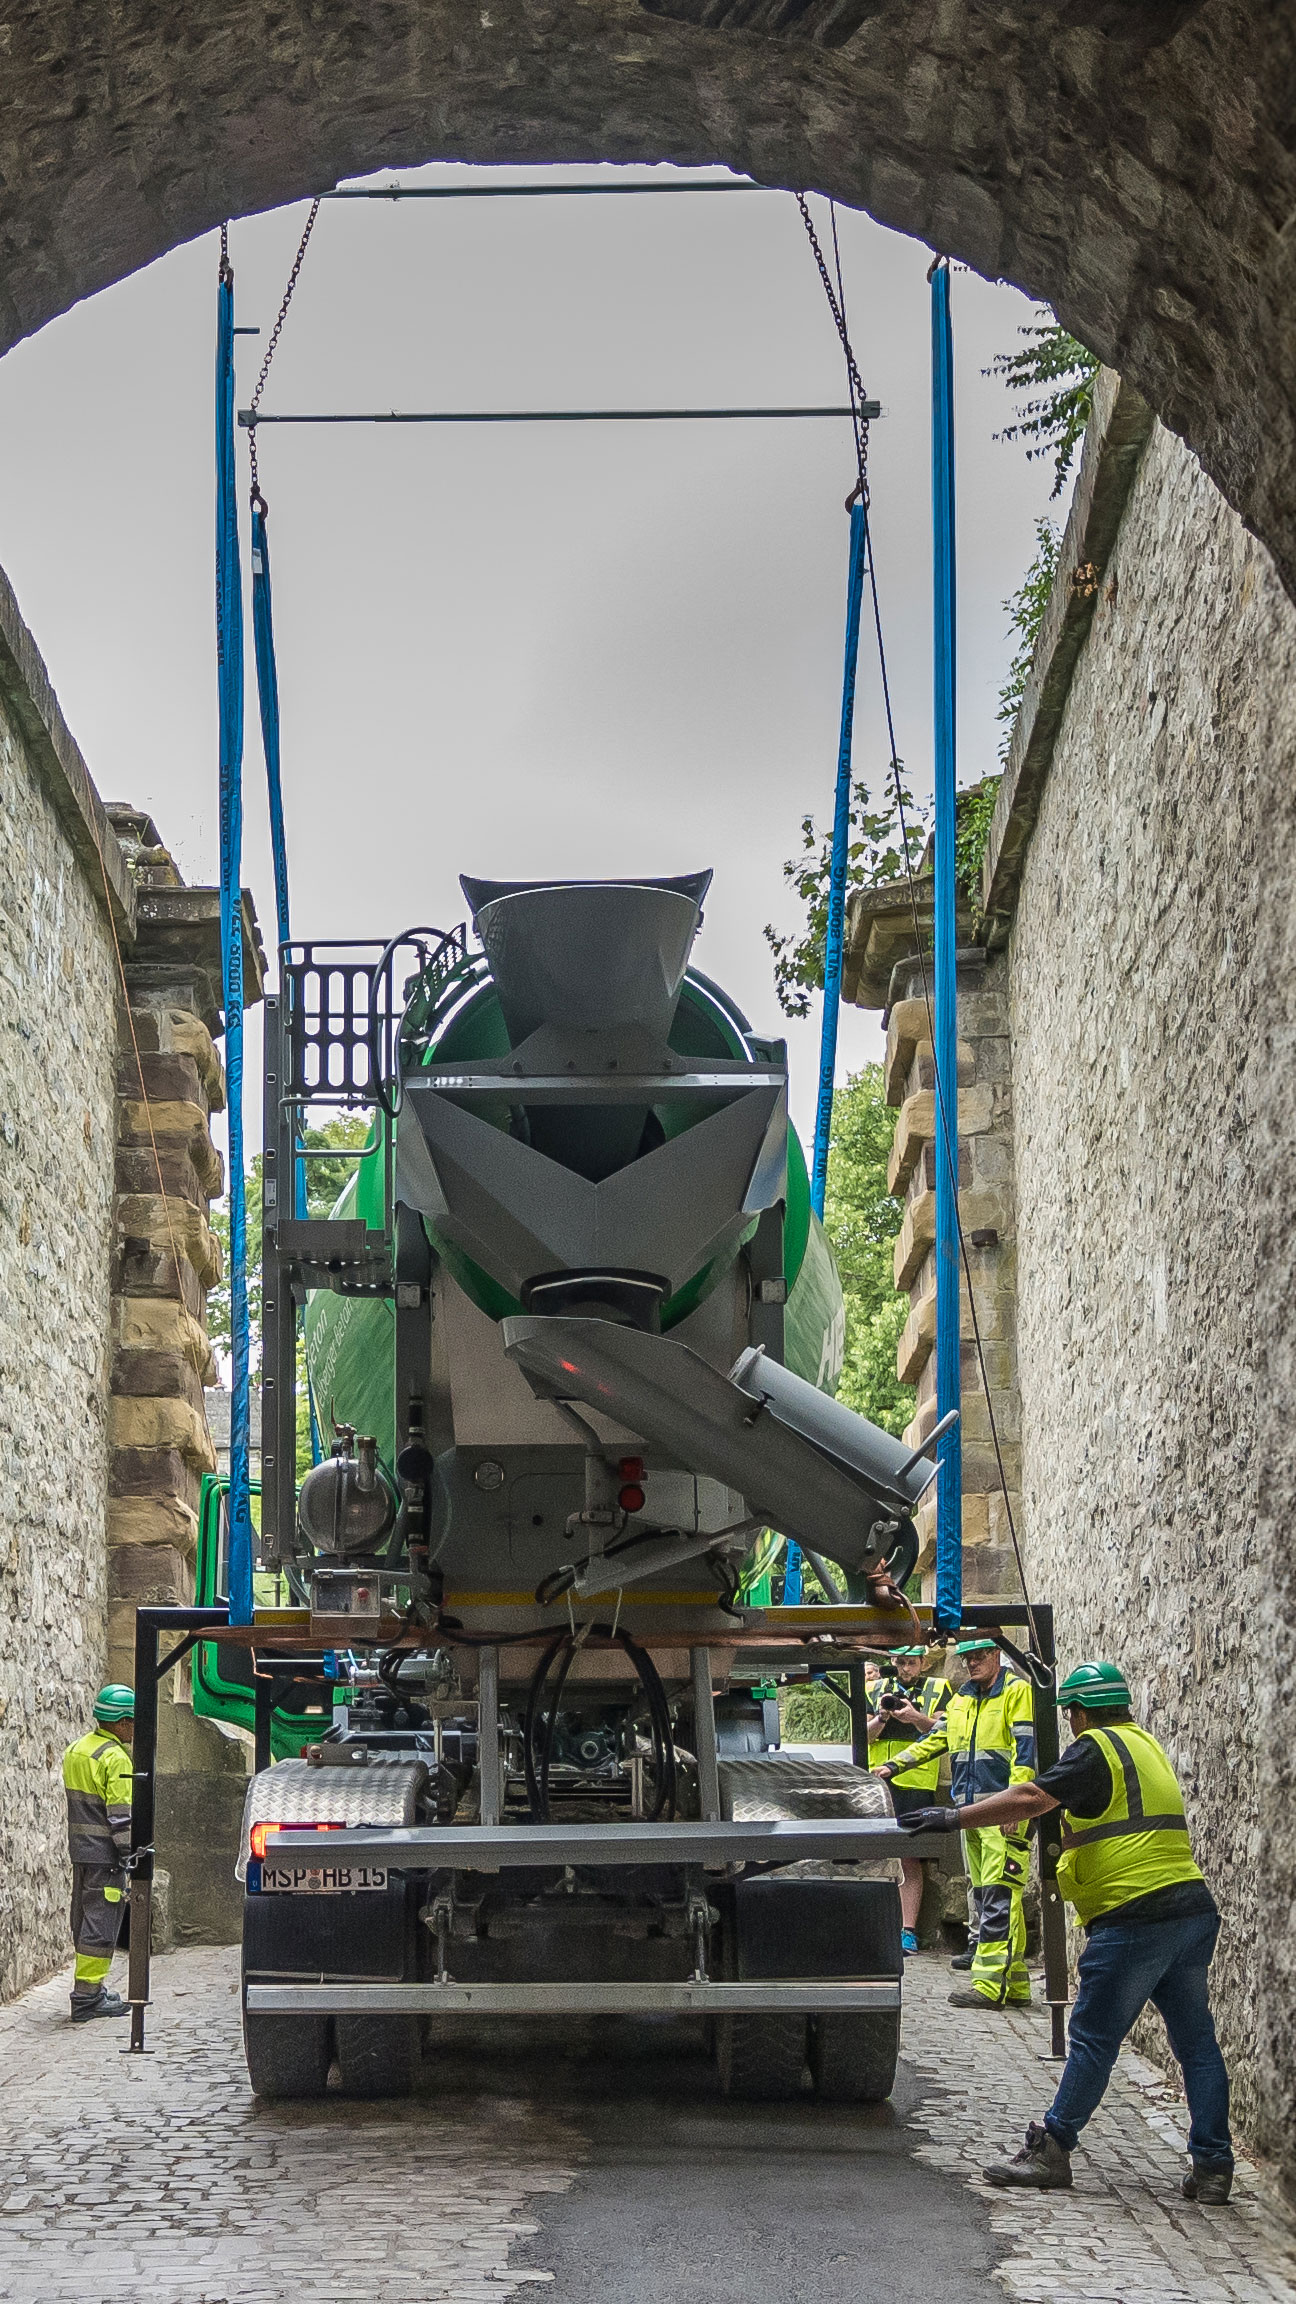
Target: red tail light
(260,1833)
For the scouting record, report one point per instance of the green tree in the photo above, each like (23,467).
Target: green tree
(875,854)
(218,1298)
(324,1181)
(1059,372)
(862,1219)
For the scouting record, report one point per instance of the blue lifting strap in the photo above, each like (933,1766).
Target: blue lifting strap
(229,659)
(840,856)
(268,700)
(949,1494)
(793,1580)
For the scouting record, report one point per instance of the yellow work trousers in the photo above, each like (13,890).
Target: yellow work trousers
(998,1863)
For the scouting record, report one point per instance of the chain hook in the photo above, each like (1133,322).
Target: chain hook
(258,500)
(837,306)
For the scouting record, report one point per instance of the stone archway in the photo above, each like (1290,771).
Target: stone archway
(1127,160)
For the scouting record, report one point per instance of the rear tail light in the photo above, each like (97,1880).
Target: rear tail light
(260,1833)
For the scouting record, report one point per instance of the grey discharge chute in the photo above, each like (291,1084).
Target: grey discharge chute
(807,1466)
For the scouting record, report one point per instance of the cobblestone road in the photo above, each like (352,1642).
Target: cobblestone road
(1122,2235)
(585,2178)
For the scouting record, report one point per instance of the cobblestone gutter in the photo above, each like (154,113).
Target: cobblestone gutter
(164,2178)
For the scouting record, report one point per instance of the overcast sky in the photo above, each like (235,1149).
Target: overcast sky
(517,650)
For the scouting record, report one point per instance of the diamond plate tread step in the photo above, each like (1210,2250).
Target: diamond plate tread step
(779,1790)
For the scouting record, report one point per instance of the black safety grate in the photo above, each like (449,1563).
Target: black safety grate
(335,1000)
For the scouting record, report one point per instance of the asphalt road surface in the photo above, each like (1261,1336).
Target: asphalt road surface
(680,2195)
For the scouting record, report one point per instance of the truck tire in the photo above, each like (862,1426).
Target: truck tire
(287,2056)
(761,2057)
(853,2058)
(377,2055)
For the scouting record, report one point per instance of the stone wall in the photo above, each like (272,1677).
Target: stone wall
(986,1210)
(58,1007)
(109,997)
(1152,959)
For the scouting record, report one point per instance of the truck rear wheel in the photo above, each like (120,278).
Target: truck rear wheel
(853,2058)
(287,2055)
(377,2055)
(762,2057)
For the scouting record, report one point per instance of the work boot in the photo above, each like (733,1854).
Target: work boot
(975,1999)
(1209,2187)
(964,1959)
(1040,2166)
(107,2004)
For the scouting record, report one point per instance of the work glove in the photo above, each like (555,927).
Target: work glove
(929,1820)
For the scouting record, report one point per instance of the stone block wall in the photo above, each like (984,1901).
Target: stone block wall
(109,995)
(987,1211)
(1151,966)
(170,1081)
(58,1006)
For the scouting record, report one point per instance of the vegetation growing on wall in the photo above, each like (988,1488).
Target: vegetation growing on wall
(1025,612)
(875,854)
(1059,372)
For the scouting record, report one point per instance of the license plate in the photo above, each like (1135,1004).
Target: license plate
(321,1879)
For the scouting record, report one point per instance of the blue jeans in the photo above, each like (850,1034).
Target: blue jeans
(1121,1969)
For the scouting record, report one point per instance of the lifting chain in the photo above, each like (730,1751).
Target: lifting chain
(258,500)
(837,306)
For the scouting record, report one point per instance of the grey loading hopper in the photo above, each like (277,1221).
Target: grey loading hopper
(519,1214)
(587,955)
(823,1499)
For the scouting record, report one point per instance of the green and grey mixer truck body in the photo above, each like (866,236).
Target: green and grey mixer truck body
(573,1332)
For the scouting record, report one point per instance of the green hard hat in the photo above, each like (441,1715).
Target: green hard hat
(970,1647)
(1098,1686)
(114,1703)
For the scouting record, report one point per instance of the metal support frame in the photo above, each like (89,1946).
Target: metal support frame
(690,1996)
(765,1259)
(860,1714)
(1052,1916)
(491,1803)
(538,191)
(150,1624)
(269,1688)
(704,1734)
(252,419)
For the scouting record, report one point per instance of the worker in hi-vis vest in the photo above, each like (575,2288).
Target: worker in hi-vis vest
(910,1703)
(1151,1922)
(989,1732)
(97,1778)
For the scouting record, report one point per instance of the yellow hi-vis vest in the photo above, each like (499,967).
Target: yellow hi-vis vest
(98,1777)
(930,1696)
(1140,1842)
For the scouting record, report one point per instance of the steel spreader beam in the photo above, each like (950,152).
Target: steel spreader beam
(533,191)
(250,420)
